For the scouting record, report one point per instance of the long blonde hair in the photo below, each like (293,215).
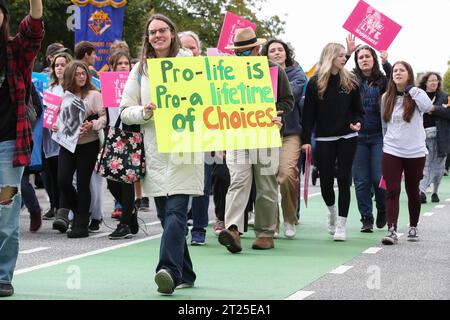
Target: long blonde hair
(329,53)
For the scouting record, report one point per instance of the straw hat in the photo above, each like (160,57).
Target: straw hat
(245,39)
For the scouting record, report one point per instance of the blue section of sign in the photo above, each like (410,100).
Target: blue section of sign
(101,26)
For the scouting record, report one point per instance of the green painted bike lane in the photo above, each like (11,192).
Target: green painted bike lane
(128,272)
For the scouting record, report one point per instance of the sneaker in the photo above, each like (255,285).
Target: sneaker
(184,285)
(190,222)
(49,215)
(423,197)
(367,224)
(218,226)
(435,198)
(231,239)
(381,219)
(6,290)
(198,238)
(75,234)
(94,226)
(35,221)
(340,233)
(391,238)
(116,214)
(122,232)
(164,281)
(413,234)
(289,230)
(145,204)
(331,219)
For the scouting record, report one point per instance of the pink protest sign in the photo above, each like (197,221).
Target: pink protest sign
(274,76)
(214,52)
(112,84)
(371,26)
(306,181)
(382,184)
(230,24)
(52,103)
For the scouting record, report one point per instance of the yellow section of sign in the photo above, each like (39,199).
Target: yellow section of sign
(213,103)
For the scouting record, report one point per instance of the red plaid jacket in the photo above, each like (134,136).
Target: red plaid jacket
(21,52)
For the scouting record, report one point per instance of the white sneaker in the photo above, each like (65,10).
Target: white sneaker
(332,216)
(340,235)
(289,230)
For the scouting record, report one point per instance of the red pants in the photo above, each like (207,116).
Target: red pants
(392,168)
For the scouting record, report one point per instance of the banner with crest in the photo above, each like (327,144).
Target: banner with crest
(101,22)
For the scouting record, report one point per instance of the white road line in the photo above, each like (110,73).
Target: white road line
(372,250)
(34,250)
(92,253)
(447,200)
(440,206)
(428,214)
(300,295)
(100,235)
(341,270)
(153,223)
(399,235)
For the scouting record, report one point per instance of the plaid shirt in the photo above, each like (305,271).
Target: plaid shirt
(21,52)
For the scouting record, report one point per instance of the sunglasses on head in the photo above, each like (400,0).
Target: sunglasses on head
(243,53)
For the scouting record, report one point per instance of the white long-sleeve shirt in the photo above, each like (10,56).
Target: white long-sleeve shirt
(403,139)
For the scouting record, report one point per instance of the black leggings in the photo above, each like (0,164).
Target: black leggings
(83,162)
(124,194)
(329,153)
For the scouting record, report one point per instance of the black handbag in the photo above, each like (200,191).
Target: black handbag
(122,157)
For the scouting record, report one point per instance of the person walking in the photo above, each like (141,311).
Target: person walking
(404,149)
(17,56)
(333,106)
(171,190)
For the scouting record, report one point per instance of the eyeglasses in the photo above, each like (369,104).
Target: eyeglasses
(245,53)
(81,74)
(433,80)
(160,30)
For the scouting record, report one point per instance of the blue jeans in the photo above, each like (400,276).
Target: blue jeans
(367,173)
(200,204)
(173,252)
(9,214)
(29,195)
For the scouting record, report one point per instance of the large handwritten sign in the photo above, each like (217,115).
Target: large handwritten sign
(371,26)
(213,103)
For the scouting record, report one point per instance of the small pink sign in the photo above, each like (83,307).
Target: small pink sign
(230,24)
(53,104)
(112,84)
(274,76)
(214,52)
(382,184)
(306,180)
(371,26)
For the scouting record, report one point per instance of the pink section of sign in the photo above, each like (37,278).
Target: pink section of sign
(214,52)
(52,103)
(230,24)
(371,26)
(112,84)
(382,184)
(274,76)
(306,181)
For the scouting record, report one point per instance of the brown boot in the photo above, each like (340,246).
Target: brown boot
(263,243)
(35,221)
(231,239)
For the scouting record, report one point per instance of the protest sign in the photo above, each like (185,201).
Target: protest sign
(52,103)
(213,103)
(371,26)
(70,120)
(231,23)
(112,84)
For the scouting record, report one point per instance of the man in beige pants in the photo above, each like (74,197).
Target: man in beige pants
(262,165)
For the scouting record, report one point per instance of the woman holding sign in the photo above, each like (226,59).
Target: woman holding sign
(333,106)
(167,180)
(288,177)
(367,164)
(51,147)
(81,117)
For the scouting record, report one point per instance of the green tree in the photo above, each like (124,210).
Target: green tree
(446,80)
(204,17)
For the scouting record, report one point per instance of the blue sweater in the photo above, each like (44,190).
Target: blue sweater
(292,121)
